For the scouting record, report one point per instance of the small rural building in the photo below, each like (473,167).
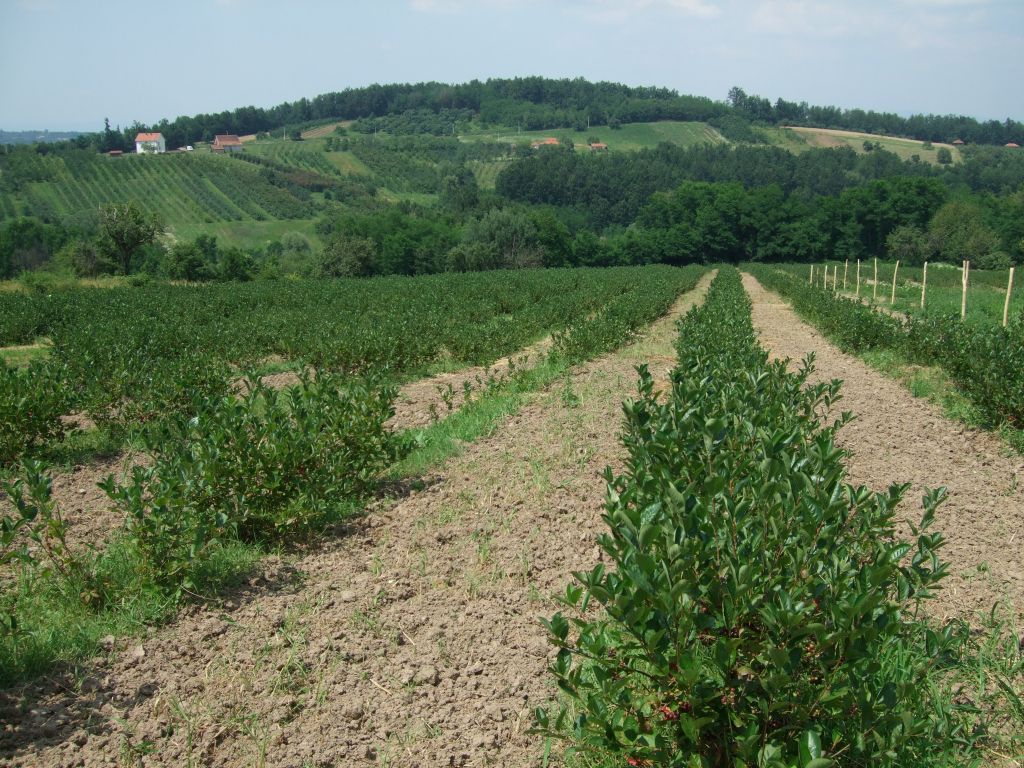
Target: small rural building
(150,144)
(598,146)
(550,141)
(226,142)
(115,153)
(958,142)
(1013,145)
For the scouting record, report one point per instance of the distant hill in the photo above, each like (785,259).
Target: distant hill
(539,103)
(34,137)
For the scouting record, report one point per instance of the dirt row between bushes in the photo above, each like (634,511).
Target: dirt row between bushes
(411,640)
(423,401)
(896,437)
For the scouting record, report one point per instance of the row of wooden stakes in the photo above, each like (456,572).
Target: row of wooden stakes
(965,270)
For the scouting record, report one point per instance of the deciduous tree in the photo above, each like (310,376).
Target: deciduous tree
(124,230)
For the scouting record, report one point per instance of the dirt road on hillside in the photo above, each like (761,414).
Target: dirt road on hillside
(412,640)
(899,438)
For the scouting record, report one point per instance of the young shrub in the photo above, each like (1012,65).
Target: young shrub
(36,536)
(32,401)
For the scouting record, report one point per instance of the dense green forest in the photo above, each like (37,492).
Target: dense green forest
(394,192)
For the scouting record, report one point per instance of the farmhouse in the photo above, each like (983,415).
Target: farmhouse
(598,146)
(226,142)
(550,141)
(150,144)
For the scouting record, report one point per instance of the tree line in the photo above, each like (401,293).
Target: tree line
(535,103)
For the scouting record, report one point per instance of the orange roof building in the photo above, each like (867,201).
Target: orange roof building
(150,144)
(1013,145)
(550,141)
(226,142)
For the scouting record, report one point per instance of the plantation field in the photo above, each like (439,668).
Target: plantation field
(751,537)
(181,188)
(126,354)
(304,155)
(630,137)
(903,148)
(322,131)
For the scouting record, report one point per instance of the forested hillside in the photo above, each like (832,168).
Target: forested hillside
(531,103)
(430,178)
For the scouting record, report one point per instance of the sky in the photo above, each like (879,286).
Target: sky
(68,64)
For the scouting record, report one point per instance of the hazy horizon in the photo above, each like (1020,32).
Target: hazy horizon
(128,64)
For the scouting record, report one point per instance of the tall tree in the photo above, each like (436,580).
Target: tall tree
(125,229)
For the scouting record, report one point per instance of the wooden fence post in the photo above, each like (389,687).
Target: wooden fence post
(963,298)
(846,267)
(835,277)
(811,278)
(1006,304)
(858,278)
(824,279)
(924,282)
(892,300)
(874,288)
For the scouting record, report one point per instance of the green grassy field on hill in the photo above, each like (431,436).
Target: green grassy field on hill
(905,149)
(630,137)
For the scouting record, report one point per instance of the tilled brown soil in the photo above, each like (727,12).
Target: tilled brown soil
(412,640)
(896,437)
(421,402)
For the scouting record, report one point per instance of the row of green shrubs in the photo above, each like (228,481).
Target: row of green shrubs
(756,609)
(620,320)
(985,361)
(239,475)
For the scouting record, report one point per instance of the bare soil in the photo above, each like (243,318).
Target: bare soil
(413,639)
(420,402)
(896,437)
(88,512)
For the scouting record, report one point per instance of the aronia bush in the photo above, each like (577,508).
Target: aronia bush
(757,610)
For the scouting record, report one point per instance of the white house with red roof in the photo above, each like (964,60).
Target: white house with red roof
(150,144)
